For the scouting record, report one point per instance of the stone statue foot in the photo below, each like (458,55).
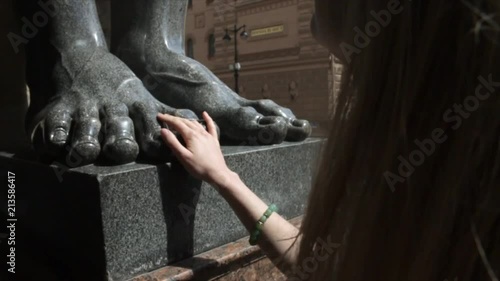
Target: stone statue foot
(183,82)
(100,110)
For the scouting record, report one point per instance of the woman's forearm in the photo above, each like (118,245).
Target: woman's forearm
(278,236)
(202,157)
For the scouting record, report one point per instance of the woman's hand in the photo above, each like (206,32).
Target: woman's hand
(201,156)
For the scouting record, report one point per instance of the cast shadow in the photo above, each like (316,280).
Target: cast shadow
(180,193)
(58,228)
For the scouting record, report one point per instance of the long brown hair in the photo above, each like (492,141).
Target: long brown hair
(409,184)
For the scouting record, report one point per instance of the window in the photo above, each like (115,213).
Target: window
(190,48)
(190,4)
(211,46)
(209,2)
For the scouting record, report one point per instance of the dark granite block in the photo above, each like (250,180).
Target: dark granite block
(114,223)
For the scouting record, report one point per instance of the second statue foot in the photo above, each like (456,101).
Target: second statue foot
(182,82)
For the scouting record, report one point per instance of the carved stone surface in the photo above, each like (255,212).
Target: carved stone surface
(92,105)
(95,105)
(154,47)
(127,220)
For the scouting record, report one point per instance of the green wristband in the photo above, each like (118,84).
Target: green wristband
(255,235)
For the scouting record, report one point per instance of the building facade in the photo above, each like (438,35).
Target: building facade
(280,60)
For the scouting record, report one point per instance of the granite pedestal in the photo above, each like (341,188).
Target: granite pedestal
(114,223)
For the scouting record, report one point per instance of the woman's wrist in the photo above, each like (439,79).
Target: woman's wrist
(226,180)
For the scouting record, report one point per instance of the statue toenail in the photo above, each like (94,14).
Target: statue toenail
(59,135)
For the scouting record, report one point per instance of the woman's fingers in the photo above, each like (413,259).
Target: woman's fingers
(202,155)
(181,123)
(210,125)
(198,127)
(174,144)
(193,124)
(176,123)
